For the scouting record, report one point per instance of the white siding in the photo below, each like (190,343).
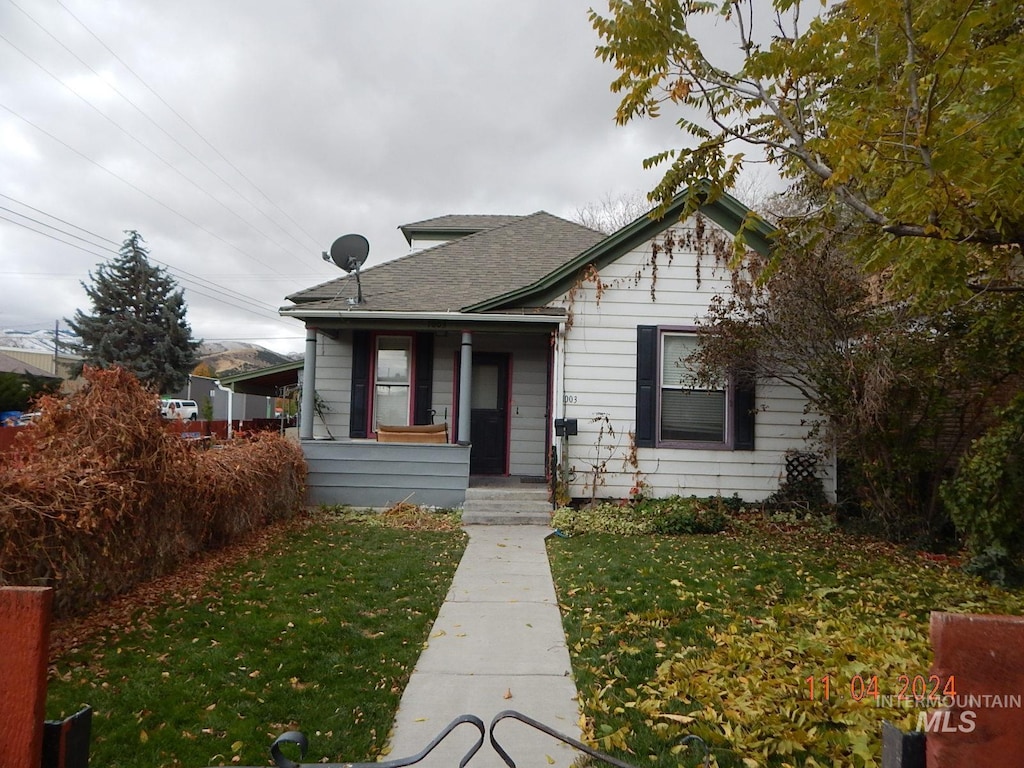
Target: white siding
(334,384)
(528,393)
(600,378)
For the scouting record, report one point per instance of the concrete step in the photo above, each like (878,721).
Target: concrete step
(507,505)
(531,492)
(500,517)
(511,505)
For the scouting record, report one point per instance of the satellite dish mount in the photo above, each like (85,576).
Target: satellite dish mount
(349,252)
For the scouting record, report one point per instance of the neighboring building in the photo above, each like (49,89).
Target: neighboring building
(243,407)
(58,366)
(533,337)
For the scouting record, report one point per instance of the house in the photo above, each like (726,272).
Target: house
(550,351)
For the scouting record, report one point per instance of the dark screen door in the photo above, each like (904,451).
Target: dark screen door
(488,421)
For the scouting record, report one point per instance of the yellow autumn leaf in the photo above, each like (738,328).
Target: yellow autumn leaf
(685,719)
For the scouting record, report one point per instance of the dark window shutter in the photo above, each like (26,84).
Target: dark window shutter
(423,393)
(646,385)
(745,407)
(360,403)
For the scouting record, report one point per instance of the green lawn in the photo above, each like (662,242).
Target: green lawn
(321,634)
(720,636)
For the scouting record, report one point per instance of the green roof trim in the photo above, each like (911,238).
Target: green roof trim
(726,211)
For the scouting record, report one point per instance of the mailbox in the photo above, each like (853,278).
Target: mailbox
(566,427)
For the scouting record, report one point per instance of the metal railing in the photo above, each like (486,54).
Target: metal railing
(299,739)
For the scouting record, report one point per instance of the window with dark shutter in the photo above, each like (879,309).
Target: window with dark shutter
(360,393)
(675,410)
(646,385)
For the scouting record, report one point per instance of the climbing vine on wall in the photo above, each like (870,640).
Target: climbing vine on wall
(704,242)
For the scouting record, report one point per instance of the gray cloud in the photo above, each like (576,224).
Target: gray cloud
(350,116)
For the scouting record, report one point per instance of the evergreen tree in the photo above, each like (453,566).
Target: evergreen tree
(138,320)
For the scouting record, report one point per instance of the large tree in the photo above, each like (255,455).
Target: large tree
(908,112)
(895,393)
(137,320)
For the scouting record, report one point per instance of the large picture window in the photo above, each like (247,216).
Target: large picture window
(392,381)
(689,413)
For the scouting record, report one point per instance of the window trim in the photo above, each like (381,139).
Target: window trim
(740,429)
(410,385)
(726,444)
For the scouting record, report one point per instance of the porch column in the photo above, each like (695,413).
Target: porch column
(465,387)
(308,405)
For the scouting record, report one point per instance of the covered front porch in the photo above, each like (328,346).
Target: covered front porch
(491,383)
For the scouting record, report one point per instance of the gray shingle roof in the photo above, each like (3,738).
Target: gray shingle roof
(453,226)
(461,272)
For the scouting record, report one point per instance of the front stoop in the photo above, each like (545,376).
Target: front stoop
(523,505)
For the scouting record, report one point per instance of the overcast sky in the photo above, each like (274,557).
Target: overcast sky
(241,137)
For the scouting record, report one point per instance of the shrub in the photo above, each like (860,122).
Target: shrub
(674,515)
(98,496)
(986,499)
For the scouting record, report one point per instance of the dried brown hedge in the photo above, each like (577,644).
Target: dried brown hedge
(98,496)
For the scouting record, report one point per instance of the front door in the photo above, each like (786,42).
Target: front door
(488,421)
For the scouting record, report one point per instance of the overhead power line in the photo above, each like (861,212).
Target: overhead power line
(194,283)
(124,181)
(152,152)
(191,127)
(154,122)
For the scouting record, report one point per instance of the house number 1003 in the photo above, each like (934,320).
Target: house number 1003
(570,399)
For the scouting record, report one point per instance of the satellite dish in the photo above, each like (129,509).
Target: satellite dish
(349,252)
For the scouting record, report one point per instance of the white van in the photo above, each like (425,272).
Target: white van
(186,410)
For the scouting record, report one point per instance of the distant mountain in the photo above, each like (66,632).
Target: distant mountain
(36,341)
(223,357)
(226,358)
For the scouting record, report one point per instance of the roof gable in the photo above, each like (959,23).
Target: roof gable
(469,270)
(453,226)
(725,210)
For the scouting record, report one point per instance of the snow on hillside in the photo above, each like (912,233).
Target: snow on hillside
(35,341)
(221,356)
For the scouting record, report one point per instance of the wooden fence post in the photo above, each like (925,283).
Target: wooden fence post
(983,723)
(902,750)
(25,640)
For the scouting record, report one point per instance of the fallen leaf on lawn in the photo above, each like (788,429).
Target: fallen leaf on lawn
(676,718)
(143,737)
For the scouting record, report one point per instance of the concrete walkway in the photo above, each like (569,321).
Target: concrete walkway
(496,644)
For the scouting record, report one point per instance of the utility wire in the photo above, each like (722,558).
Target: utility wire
(123,180)
(55,218)
(156,124)
(205,282)
(194,130)
(151,151)
(262,309)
